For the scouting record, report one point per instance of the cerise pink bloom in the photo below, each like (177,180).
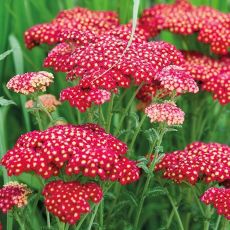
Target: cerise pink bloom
(68,200)
(31,82)
(198,161)
(78,18)
(220,199)
(181,17)
(166,112)
(85,149)
(13,194)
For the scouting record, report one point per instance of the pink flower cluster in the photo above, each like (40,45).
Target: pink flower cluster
(198,161)
(99,62)
(68,200)
(85,97)
(31,82)
(220,199)
(13,194)
(181,17)
(78,18)
(220,87)
(213,74)
(166,112)
(85,149)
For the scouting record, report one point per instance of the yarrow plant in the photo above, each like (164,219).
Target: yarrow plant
(13,194)
(107,160)
(29,83)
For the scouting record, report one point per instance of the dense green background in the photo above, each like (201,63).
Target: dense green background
(205,120)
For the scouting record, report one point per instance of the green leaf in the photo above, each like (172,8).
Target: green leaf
(134,119)
(132,198)
(152,135)
(5,102)
(5,54)
(157,191)
(143,166)
(31,180)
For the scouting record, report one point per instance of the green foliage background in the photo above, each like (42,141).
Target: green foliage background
(205,119)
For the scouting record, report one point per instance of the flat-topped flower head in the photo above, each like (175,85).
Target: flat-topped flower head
(220,87)
(31,82)
(98,22)
(176,78)
(83,98)
(85,149)
(219,198)
(13,194)
(99,63)
(48,101)
(198,161)
(166,112)
(202,67)
(68,200)
(181,17)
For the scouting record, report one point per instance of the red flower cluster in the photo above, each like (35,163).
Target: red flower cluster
(213,74)
(184,18)
(166,112)
(78,18)
(100,64)
(85,97)
(13,194)
(31,82)
(68,200)
(202,67)
(197,161)
(85,149)
(220,87)
(220,199)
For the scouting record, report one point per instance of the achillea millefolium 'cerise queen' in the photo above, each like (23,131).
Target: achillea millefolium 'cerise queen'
(85,149)
(220,199)
(13,194)
(48,101)
(68,200)
(181,17)
(166,112)
(212,74)
(198,161)
(29,83)
(78,18)
(100,64)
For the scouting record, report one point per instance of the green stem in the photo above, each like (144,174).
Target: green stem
(225,225)
(217,222)
(101,214)
(170,219)
(18,219)
(208,214)
(127,109)
(150,174)
(61,225)
(110,114)
(93,217)
(175,210)
(38,118)
(198,202)
(142,202)
(78,227)
(102,118)
(48,219)
(136,133)
(79,117)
